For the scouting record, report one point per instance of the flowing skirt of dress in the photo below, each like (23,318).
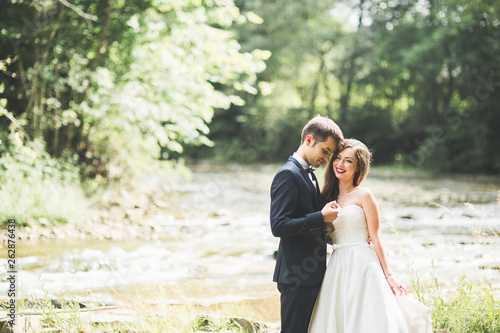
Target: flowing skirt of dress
(355,297)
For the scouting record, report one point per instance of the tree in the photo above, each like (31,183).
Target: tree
(417,81)
(113,82)
(442,55)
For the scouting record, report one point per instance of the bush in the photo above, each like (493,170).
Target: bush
(34,185)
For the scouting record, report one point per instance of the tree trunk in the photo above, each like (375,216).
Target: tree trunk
(315,88)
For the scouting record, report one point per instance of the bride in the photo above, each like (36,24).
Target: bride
(360,293)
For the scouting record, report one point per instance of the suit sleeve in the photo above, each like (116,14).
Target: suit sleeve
(284,201)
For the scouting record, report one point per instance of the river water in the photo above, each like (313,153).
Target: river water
(220,249)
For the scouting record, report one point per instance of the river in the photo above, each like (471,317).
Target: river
(220,249)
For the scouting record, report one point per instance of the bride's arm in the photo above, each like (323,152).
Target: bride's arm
(372,214)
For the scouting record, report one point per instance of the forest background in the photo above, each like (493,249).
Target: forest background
(95,94)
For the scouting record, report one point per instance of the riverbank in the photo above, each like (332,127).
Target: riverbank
(205,244)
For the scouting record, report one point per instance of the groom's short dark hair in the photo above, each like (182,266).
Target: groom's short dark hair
(321,128)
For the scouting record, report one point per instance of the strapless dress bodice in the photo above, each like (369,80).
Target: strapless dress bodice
(350,227)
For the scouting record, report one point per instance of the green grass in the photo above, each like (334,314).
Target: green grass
(145,310)
(472,308)
(153,315)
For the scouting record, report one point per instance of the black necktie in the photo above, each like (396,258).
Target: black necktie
(310,171)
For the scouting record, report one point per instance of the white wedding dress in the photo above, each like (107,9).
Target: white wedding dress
(355,296)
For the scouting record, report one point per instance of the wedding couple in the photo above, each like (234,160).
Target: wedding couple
(357,292)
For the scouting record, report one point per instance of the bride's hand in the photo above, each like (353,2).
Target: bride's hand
(397,287)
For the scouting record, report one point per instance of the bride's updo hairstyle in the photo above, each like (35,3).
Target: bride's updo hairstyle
(363,156)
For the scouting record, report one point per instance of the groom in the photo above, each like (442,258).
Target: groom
(298,217)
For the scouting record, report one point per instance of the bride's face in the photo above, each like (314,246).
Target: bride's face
(345,165)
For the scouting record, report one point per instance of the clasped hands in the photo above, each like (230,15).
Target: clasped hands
(331,211)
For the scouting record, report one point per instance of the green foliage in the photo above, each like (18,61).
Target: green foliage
(472,308)
(34,185)
(417,81)
(117,86)
(169,94)
(446,56)
(121,88)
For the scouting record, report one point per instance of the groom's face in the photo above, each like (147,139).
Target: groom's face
(318,153)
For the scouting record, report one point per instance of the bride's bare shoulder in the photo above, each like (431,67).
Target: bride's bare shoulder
(364,191)
(365,195)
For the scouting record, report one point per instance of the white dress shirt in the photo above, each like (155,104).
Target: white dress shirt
(305,166)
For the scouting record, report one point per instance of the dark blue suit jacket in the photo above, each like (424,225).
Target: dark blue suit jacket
(296,218)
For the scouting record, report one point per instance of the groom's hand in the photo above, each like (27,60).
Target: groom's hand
(331,211)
